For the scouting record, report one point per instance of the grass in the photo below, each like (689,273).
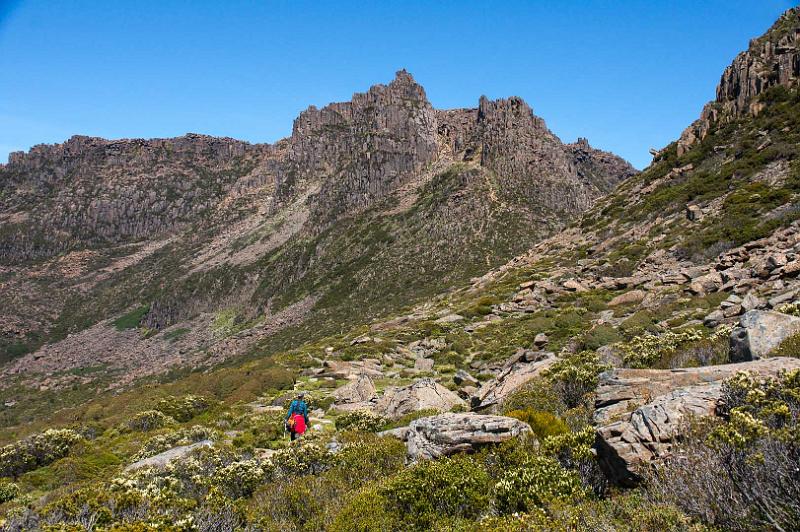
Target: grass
(132,319)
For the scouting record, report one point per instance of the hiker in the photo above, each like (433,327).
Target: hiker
(297,417)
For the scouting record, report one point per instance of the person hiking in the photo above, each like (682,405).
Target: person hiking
(297,416)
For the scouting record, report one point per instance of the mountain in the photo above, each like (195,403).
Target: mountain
(543,338)
(369,205)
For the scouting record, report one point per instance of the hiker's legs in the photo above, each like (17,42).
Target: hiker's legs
(294,435)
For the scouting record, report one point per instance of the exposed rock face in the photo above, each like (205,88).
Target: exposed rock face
(640,412)
(602,168)
(446,434)
(365,147)
(396,401)
(760,332)
(519,370)
(771,60)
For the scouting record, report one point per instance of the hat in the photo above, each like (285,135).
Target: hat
(301,395)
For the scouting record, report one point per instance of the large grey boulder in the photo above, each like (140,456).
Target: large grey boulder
(358,394)
(517,372)
(424,394)
(640,413)
(760,332)
(446,434)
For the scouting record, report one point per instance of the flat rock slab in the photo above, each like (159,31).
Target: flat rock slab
(161,460)
(446,434)
(361,389)
(641,412)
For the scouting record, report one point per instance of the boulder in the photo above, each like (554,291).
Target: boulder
(639,412)
(463,377)
(628,298)
(423,364)
(759,333)
(540,340)
(358,391)
(398,401)
(446,434)
(706,284)
(516,373)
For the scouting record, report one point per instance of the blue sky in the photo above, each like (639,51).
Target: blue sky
(628,75)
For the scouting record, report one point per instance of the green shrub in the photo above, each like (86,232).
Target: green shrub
(370,458)
(790,347)
(184,408)
(543,424)
(600,336)
(644,351)
(132,319)
(432,490)
(8,491)
(307,458)
(148,420)
(366,511)
(575,376)
(360,420)
(36,451)
(538,394)
(538,481)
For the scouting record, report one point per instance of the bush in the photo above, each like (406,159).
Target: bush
(575,376)
(148,420)
(538,481)
(183,409)
(8,491)
(446,488)
(543,424)
(36,451)
(371,458)
(573,450)
(360,420)
(132,319)
(645,350)
(538,394)
(743,474)
(600,336)
(307,458)
(366,511)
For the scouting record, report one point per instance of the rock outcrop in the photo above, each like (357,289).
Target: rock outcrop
(640,413)
(397,401)
(517,371)
(446,434)
(771,60)
(760,332)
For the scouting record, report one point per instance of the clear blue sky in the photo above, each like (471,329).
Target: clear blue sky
(626,74)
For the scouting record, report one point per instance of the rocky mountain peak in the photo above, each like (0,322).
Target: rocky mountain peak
(771,60)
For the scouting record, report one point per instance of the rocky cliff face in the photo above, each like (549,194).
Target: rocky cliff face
(370,202)
(771,60)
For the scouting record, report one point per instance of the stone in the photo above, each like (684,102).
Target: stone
(446,434)
(759,333)
(640,412)
(423,364)
(694,213)
(751,302)
(540,340)
(706,284)
(516,373)
(450,318)
(792,269)
(574,286)
(628,298)
(782,299)
(360,390)
(397,401)
(713,318)
(463,377)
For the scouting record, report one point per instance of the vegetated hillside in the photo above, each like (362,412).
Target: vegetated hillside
(638,370)
(369,205)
